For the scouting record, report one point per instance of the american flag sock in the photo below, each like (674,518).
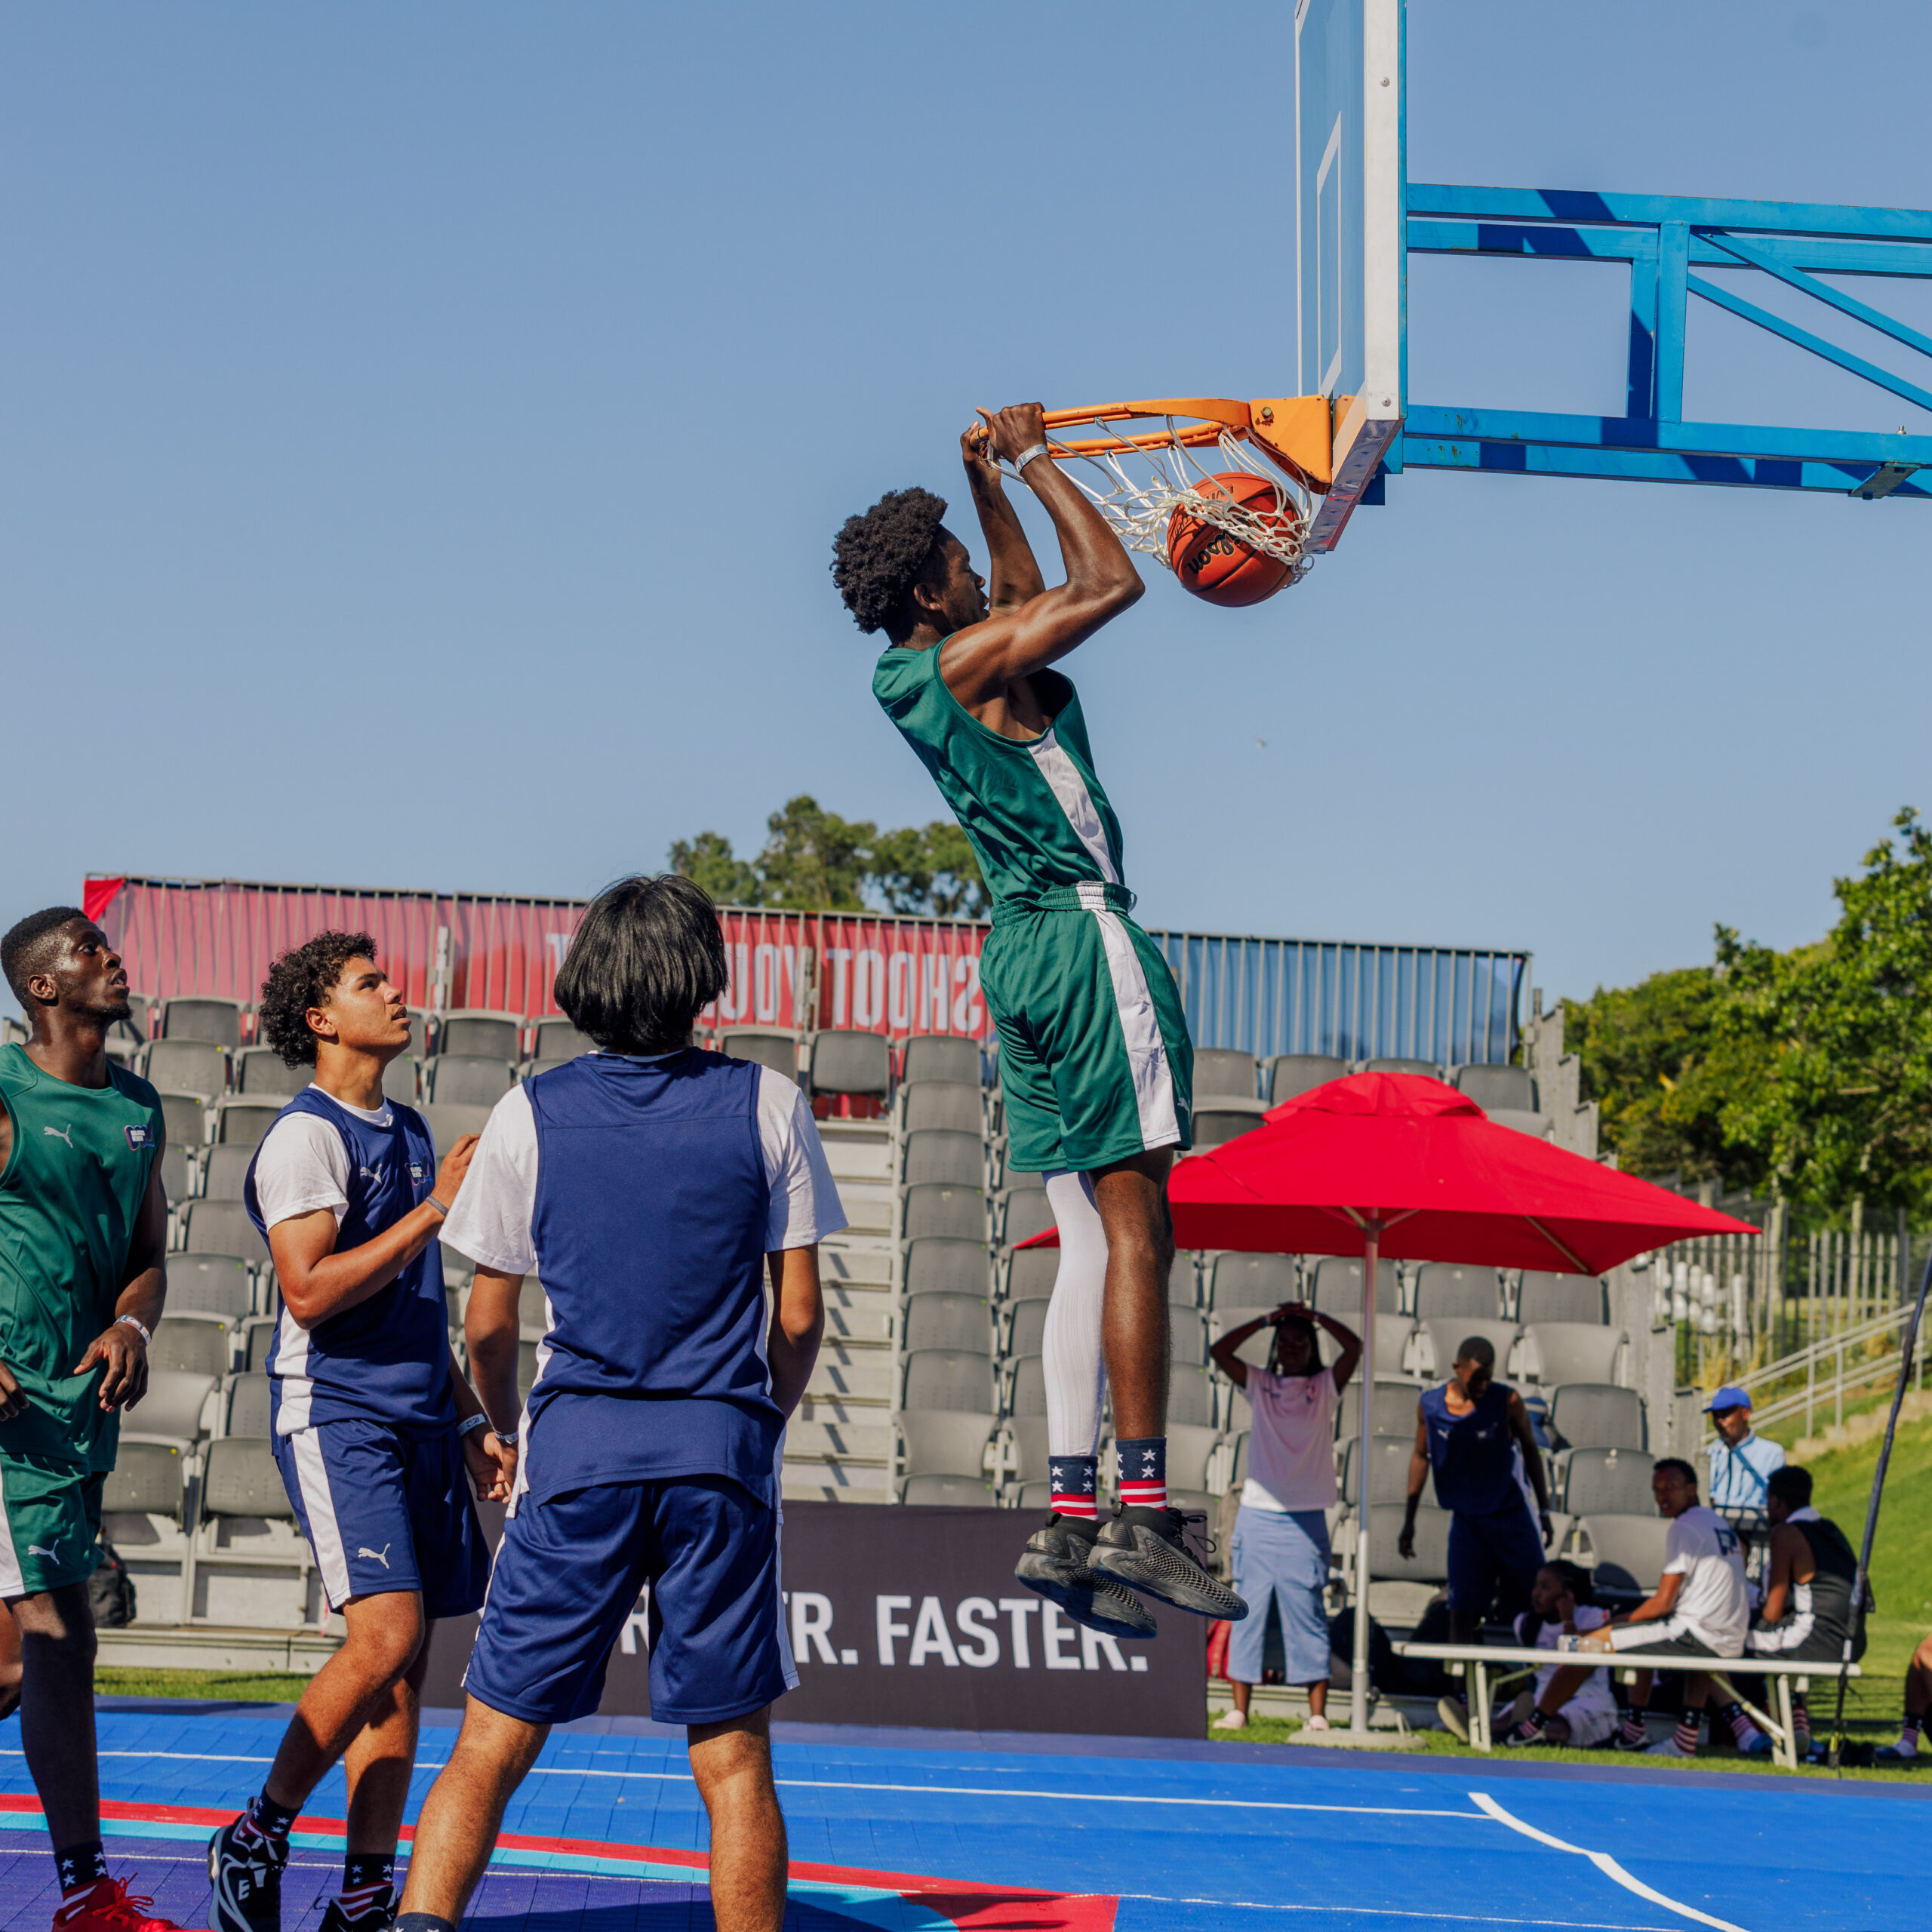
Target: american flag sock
(1076,1483)
(264,1819)
(1143,1471)
(1742,1728)
(1800,1726)
(1687,1727)
(81,1867)
(1634,1732)
(368,1879)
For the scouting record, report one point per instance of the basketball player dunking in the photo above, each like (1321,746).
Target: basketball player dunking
(1095,1061)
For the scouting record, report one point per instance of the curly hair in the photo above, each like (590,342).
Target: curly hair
(877,558)
(301,979)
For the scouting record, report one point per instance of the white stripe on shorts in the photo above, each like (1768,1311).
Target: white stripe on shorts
(311,1476)
(1062,777)
(1146,1052)
(12,1584)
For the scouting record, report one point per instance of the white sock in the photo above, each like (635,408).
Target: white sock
(1075,1370)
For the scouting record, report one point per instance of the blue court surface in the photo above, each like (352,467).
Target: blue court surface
(925,1831)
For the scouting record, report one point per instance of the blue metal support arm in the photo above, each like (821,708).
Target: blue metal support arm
(1587,207)
(1803,254)
(1822,291)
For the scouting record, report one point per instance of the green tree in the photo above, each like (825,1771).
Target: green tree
(709,860)
(930,869)
(1845,1112)
(814,860)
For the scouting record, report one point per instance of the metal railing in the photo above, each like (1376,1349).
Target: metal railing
(1831,1366)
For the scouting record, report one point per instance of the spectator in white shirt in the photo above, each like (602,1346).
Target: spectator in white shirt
(1701,1608)
(1281,1540)
(1574,1704)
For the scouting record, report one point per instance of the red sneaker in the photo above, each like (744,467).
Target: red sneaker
(111,1907)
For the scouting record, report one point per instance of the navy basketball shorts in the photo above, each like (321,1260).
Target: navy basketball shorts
(386,1508)
(568,1573)
(1489,1555)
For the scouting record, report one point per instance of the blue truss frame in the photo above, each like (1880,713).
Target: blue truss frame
(1661,238)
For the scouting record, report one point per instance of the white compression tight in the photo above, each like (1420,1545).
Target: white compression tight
(1074,1368)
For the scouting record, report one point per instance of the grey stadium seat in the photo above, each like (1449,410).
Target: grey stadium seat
(1218,1071)
(949,1105)
(1389,1458)
(559,1039)
(779,1051)
(223,1170)
(1430,1564)
(1629,1552)
(1190,1448)
(196,1344)
(241,1479)
(1028,1334)
(1447,1332)
(1608,1482)
(1027,1436)
(532,1068)
(1545,1297)
(1252,1282)
(240,1123)
(1221,1119)
(951,1492)
(1591,1415)
(186,1066)
(936,1057)
(1289,1074)
(216,1022)
(1028,1397)
(1259,1347)
(1392,1064)
(223,1227)
(932,1153)
(1493,1087)
(1391,1412)
(1560,1352)
(1444,1290)
(945,1442)
(259,1070)
(257,1339)
(949,1379)
(185,1119)
(1190,1395)
(176,1181)
(1185,1342)
(1338,1288)
(948,1321)
(1184,1280)
(959,1213)
(938,1265)
(1538,1126)
(467,1080)
(859,1063)
(448,1124)
(1031,1274)
(401,1079)
(488,1035)
(1025,1213)
(171,1411)
(249,1406)
(147,1479)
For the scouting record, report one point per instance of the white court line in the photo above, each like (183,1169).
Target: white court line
(1605,1863)
(1511,1920)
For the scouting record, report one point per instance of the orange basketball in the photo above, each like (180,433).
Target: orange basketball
(1217,567)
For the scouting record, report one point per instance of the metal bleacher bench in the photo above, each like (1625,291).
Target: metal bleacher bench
(1479,1661)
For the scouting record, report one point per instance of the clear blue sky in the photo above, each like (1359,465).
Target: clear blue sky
(425,428)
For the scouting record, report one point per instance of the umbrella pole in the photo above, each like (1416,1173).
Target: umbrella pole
(1358,1690)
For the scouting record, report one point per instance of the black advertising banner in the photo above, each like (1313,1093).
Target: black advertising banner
(910,1615)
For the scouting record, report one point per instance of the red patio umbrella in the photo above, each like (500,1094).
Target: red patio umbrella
(1396,1166)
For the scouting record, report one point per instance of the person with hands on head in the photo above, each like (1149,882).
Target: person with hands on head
(378,1435)
(1095,1065)
(1280,1539)
(1474,1434)
(83,1239)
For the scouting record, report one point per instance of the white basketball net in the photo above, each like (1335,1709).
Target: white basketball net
(1138,491)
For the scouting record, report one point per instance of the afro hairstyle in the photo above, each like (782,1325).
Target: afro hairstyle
(301,979)
(876,558)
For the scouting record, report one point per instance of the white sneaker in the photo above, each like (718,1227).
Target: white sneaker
(1315,1722)
(1232,1720)
(1669,1747)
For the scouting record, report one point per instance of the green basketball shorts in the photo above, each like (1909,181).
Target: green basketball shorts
(1094,1059)
(50,1516)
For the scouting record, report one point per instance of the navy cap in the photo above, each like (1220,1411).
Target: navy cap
(1729,1397)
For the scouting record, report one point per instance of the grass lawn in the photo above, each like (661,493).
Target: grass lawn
(250,1687)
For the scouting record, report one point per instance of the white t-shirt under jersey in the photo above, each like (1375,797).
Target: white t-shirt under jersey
(490,1221)
(304,1164)
(1290,1442)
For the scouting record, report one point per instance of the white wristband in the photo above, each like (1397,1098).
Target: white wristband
(1025,456)
(134,1322)
(470,1424)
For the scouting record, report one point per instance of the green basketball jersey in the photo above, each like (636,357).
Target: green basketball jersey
(70,1194)
(1032,808)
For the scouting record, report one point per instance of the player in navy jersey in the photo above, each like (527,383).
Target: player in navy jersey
(652,1188)
(377,1432)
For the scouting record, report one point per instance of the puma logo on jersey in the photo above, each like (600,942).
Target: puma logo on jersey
(381,1556)
(375,1174)
(61,1133)
(34,1549)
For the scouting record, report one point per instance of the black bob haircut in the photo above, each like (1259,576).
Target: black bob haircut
(25,946)
(647,957)
(303,977)
(1791,1484)
(876,558)
(1678,1463)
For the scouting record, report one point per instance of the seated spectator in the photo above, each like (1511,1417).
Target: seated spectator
(1280,1539)
(1741,1461)
(1917,1700)
(1808,1612)
(1575,1704)
(1701,1608)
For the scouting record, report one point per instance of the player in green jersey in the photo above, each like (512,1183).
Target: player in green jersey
(83,1229)
(1095,1062)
